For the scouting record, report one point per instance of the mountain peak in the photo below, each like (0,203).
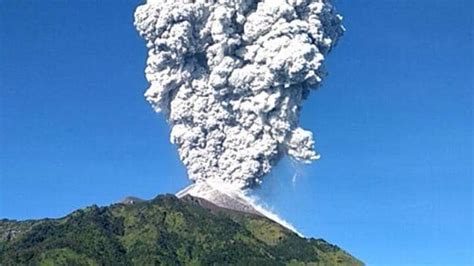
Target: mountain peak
(228,199)
(131,200)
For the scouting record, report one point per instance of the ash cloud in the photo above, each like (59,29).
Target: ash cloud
(230,77)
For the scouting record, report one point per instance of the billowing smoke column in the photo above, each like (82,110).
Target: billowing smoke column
(230,76)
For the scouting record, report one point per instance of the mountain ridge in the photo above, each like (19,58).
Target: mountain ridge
(163,231)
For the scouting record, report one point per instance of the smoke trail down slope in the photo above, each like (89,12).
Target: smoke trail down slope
(228,197)
(231,75)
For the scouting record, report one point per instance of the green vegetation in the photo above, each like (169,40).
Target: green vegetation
(163,231)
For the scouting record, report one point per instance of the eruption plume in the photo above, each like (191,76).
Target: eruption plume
(230,77)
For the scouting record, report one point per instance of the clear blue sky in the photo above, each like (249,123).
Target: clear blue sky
(393,122)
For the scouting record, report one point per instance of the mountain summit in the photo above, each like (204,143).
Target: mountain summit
(224,198)
(164,231)
(227,197)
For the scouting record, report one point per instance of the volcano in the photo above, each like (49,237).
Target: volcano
(165,230)
(229,198)
(224,198)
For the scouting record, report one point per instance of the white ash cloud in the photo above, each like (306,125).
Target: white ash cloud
(231,75)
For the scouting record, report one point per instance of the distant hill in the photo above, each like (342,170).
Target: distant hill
(162,231)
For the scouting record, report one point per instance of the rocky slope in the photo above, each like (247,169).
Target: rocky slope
(164,231)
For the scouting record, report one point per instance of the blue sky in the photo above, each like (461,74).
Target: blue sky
(393,123)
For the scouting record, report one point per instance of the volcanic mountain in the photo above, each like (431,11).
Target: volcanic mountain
(229,198)
(164,231)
